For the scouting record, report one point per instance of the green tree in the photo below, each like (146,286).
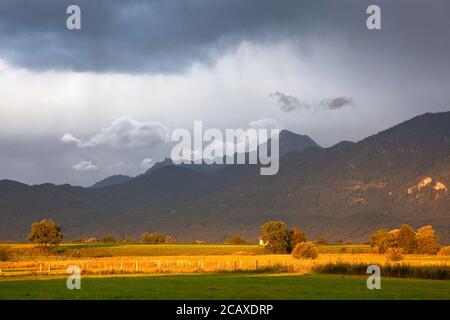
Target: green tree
(296,235)
(4,254)
(427,240)
(384,239)
(128,239)
(45,233)
(376,237)
(153,238)
(275,236)
(389,240)
(235,239)
(407,239)
(107,239)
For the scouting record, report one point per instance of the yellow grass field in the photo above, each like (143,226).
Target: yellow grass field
(145,259)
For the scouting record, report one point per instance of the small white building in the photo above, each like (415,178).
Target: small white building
(262,243)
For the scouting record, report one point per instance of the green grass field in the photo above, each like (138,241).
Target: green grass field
(226,286)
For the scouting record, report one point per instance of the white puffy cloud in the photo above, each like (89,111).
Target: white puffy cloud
(266,123)
(124,133)
(85,166)
(146,163)
(70,138)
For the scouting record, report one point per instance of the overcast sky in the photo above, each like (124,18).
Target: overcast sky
(77,106)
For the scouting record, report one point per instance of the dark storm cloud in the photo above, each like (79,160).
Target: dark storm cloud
(133,36)
(168,36)
(288,103)
(156,36)
(338,102)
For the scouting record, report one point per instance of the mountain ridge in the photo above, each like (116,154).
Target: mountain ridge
(289,141)
(346,190)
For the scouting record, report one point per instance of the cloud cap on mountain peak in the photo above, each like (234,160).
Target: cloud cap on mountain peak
(124,132)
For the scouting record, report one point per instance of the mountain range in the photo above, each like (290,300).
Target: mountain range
(400,175)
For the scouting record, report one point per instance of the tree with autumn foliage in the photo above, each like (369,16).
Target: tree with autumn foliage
(407,239)
(45,233)
(276,237)
(427,240)
(296,236)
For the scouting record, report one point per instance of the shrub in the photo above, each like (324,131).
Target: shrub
(341,240)
(441,272)
(305,250)
(394,254)
(128,239)
(237,240)
(45,233)
(153,238)
(107,239)
(91,240)
(170,239)
(4,254)
(445,251)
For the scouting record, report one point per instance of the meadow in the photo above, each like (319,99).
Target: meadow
(225,286)
(186,271)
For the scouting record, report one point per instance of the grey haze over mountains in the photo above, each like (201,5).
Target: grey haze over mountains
(400,175)
(288,141)
(77,106)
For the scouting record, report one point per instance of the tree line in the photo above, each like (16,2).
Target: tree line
(406,239)
(46,233)
(278,239)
